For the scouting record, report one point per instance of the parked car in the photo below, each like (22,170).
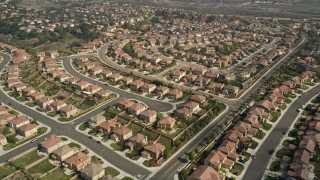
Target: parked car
(271,151)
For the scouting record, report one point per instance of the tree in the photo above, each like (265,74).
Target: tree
(166,153)
(192,156)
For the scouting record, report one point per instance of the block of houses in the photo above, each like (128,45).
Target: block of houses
(63,152)
(299,171)
(175,94)
(68,111)
(18,122)
(148,116)
(136,109)
(3,140)
(78,161)
(57,105)
(153,151)
(124,103)
(137,141)
(166,123)
(122,133)
(50,144)
(92,172)
(44,101)
(107,126)
(205,173)
(27,130)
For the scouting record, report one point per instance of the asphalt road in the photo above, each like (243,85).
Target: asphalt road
(153,104)
(69,131)
(258,166)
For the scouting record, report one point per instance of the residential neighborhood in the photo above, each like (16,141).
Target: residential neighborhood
(158,90)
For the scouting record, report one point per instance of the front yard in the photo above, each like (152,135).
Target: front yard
(237,169)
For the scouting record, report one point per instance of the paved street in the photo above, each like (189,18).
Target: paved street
(152,103)
(258,166)
(69,131)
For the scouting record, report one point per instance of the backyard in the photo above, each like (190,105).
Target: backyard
(56,174)
(42,167)
(27,159)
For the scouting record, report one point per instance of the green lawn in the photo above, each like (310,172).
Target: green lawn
(267,126)
(6,170)
(82,127)
(118,146)
(260,135)
(111,171)
(246,156)
(275,115)
(56,174)
(27,159)
(73,144)
(253,144)
(150,163)
(42,167)
(283,107)
(281,153)
(237,169)
(275,166)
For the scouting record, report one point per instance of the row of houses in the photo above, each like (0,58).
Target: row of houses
(299,166)
(226,154)
(132,141)
(71,158)
(18,55)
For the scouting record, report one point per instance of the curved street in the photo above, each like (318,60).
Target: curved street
(258,166)
(153,104)
(69,131)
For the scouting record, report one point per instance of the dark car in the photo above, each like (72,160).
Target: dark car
(90,137)
(271,151)
(253,156)
(99,142)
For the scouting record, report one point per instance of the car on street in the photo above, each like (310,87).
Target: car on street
(99,142)
(33,140)
(271,151)
(90,137)
(253,156)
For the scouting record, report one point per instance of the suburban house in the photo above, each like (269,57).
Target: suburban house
(174,94)
(44,101)
(5,118)
(92,172)
(154,151)
(68,111)
(102,93)
(57,105)
(136,141)
(136,109)
(184,113)
(107,126)
(18,122)
(96,120)
(148,116)
(82,85)
(124,103)
(63,152)
(78,161)
(166,123)
(193,106)
(36,95)
(205,173)
(198,98)
(135,85)
(162,90)
(121,133)
(50,144)
(218,159)
(27,130)
(148,88)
